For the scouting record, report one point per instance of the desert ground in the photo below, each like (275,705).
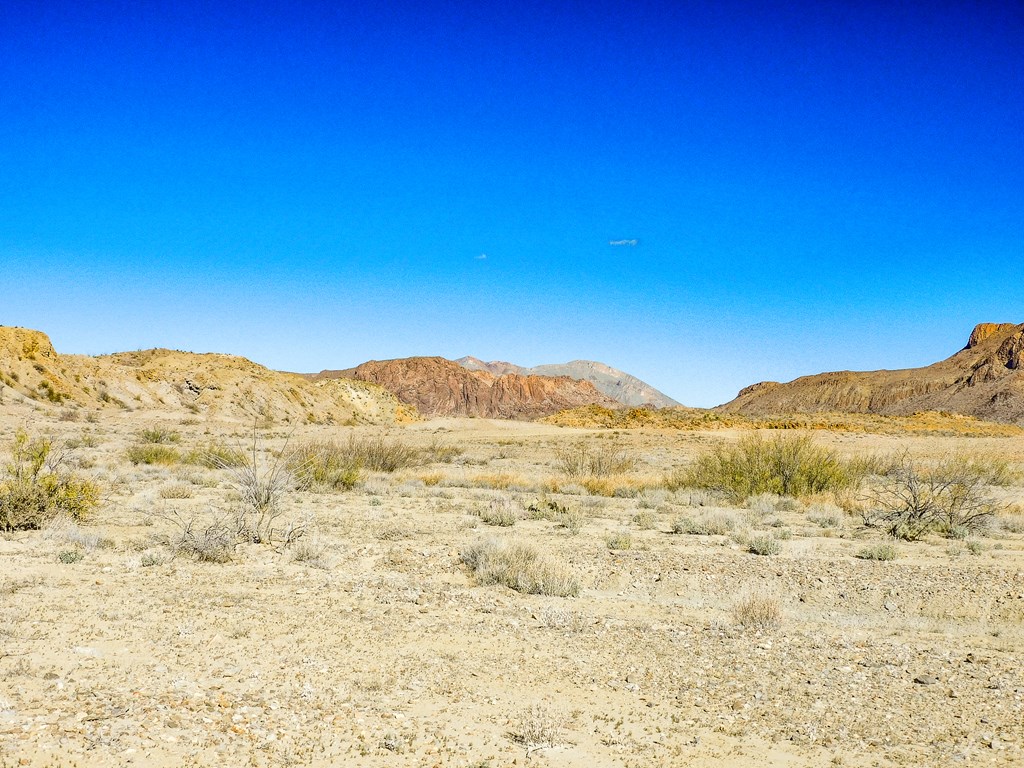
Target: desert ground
(358,634)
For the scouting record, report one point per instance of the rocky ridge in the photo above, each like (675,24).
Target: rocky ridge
(618,385)
(226,386)
(439,387)
(984,380)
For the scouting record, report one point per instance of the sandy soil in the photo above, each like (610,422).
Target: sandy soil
(369,642)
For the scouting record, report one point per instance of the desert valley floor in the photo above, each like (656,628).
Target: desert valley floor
(369,640)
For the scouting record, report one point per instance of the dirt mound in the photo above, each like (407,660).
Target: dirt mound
(172,381)
(984,380)
(440,387)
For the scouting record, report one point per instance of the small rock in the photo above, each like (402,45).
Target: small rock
(926,680)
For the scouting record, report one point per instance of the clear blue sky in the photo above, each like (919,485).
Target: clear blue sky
(814,186)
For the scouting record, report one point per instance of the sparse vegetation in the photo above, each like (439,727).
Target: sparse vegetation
(950,497)
(501,511)
(879,551)
(587,460)
(764,545)
(707,524)
(153,453)
(324,465)
(36,488)
(758,612)
(619,540)
(520,567)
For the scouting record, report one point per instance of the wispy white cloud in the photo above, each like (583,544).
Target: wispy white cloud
(624,242)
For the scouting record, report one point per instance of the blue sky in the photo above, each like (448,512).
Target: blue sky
(812,186)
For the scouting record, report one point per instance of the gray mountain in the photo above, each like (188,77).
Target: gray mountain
(618,385)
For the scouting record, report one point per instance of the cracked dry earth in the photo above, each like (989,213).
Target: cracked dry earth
(382,650)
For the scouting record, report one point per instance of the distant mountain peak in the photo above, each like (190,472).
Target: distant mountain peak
(618,385)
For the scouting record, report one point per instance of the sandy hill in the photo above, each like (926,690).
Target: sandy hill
(618,385)
(440,387)
(167,380)
(984,380)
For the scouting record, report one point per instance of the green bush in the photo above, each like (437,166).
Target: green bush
(783,465)
(35,489)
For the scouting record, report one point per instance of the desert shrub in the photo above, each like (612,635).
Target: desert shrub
(501,511)
(879,551)
(645,519)
(69,556)
(209,541)
(153,453)
(520,567)
(572,518)
(159,436)
(324,465)
(440,452)
(708,524)
(783,465)
(217,455)
(176,491)
(587,460)
(764,545)
(619,540)
(261,489)
(758,612)
(950,497)
(35,488)
(825,515)
(380,454)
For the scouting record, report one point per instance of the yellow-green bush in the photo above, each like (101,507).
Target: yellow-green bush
(152,453)
(34,490)
(785,465)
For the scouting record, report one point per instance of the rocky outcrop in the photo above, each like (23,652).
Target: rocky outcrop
(984,379)
(618,385)
(440,387)
(223,386)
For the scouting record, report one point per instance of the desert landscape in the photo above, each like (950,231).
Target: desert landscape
(207,563)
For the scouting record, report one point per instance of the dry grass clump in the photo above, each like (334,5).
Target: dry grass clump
(764,545)
(783,465)
(379,453)
(153,453)
(217,455)
(593,461)
(518,566)
(758,612)
(707,524)
(537,728)
(176,491)
(159,436)
(35,488)
(501,511)
(879,551)
(324,465)
(619,541)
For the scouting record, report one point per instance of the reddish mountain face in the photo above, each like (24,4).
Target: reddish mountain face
(439,387)
(985,379)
